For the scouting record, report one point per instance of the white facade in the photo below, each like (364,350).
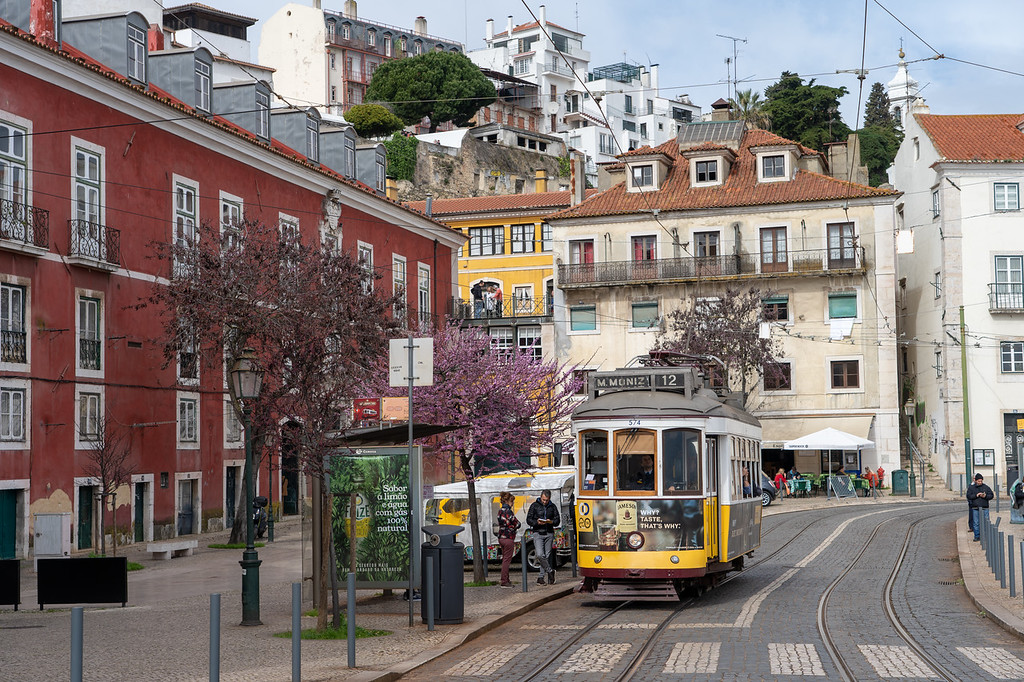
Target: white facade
(968,254)
(292,42)
(902,91)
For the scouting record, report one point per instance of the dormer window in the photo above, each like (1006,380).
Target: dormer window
(263,115)
(136,53)
(312,139)
(371,37)
(202,86)
(643,176)
(346,31)
(707,171)
(773,166)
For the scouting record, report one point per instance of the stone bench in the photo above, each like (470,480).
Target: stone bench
(166,549)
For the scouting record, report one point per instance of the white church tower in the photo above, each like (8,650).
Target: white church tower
(902,91)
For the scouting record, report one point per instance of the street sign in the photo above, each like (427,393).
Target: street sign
(395,409)
(422,362)
(366,409)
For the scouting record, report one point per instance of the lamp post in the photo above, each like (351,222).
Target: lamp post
(246,380)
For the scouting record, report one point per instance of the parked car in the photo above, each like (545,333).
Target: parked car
(768,490)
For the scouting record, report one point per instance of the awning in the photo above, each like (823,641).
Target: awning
(389,435)
(775,431)
(828,439)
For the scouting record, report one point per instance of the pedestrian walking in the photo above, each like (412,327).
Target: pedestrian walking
(543,519)
(978,495)
(508,524)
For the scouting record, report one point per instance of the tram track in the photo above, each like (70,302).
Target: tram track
(846,673)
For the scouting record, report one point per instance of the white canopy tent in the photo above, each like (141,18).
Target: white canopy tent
(828,439)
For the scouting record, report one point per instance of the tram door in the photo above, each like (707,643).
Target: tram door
(712,521)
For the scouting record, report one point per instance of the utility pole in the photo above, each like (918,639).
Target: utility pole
(734,81)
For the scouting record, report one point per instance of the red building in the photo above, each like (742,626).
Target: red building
(105,149)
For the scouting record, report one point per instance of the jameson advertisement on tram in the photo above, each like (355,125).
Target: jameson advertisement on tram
(640,525)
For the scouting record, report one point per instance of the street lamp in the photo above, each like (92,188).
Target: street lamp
(246,380)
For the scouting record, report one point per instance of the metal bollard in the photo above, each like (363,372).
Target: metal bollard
(428,592)
(214,637)
(522,554)
(1013,573)
(296,632)
(1001,573)
(572,550)
(76,643)
(961,477)
(484,552)
(350,625)
(996,491)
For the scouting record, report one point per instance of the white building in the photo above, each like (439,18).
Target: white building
(961,178)
(902,91)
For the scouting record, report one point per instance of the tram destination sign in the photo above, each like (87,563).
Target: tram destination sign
(627,381)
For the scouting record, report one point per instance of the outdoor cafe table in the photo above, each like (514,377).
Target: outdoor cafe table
(799,485)
(861,484)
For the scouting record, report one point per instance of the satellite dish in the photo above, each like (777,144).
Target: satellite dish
(551,107)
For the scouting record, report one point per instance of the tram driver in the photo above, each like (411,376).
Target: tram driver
(645,477)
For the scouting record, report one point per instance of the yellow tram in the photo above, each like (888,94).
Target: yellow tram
(664,494)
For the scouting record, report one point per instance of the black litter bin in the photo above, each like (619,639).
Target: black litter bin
(448,586)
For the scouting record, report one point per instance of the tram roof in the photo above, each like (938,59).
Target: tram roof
(704,403)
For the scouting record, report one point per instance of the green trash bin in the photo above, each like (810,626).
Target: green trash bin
(900,480)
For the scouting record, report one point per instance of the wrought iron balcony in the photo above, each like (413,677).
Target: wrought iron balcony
(742,266)
(1006,297)
(12,346)
(94,245)
(89,353)
(23,227)
(513,307)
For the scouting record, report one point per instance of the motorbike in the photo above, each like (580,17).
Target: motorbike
(259,515)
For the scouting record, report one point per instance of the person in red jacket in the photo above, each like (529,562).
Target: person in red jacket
(881,475)
(780,483)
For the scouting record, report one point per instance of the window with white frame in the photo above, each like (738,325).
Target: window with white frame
(845,373)
(606,144)
(232,424)
(707,171)
(346,31)
(12,414)
(371,37)
(202,86)
(523,66)
(423,287)
(90,333)
(545,237)
(87,179)
(334,64)
(776,308)
(523,238)
(1007,196)
(185,212)
(13,340)
(417,47)
(350,157)
(643,176)
(312,139)
(188,357)
(581,251)
(13,179)
(842,249)
(398,285)
(487,241)
(1011,355)
(529,342)
(387,44)
(1009,284)
(136,53)
(935,203)
(263,115)
(707,244)
(938,363)
(778,376)
(583,318)
(365,258)
(773,166)
(645,247)
(89,405)
(188,420)
(230,221)
(331,30)
(289,228)
(842,305)
(502,342)
(644,315)
(382,173)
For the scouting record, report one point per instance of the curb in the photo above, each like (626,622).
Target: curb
(459,636)
(994,611)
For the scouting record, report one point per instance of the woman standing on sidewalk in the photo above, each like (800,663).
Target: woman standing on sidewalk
(508,524)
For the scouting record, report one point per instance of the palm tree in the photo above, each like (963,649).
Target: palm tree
(748,107)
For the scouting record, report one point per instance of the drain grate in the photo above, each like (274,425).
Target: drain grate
(949,582)
(949,558)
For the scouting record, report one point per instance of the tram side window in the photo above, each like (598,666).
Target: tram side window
(635,465)
(595,460)
(745,470)
(682,460)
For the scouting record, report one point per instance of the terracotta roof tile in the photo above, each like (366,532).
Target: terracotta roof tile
(494,203)
(975,137)
(646,150)
(740,188)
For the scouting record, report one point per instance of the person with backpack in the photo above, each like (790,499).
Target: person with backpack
(508,524)
(543,519)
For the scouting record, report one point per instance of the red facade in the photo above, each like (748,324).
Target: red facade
(133,170)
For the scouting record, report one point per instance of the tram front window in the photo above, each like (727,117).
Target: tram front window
(595,460)
(635,461)
(682,460)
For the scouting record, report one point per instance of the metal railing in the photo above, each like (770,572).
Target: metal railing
(89,352)
(814,261)
(1006,297)
(12,346)
(463,309)
(24,223)
(94,241)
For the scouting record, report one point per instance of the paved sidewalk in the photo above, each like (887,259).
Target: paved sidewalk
(163,633)
(979,579)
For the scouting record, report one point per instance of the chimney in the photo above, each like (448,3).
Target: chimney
(43,24)
(540,181)
(155,38)
(577,177)
(508,30)
(490,29)
(350,10)
(654,78)
(420,26)
(391,188)
(542,14)
(429,210)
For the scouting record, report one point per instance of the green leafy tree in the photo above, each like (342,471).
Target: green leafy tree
(878,147)
(876,110)
(441,86)
(373,120)
(749,107)
(402,156)
(805,112)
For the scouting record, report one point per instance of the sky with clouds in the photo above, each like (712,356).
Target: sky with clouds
(814,38)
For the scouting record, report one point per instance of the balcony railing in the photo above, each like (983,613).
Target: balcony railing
(463,309)
(12,346)
(89,353)
(94,245)
(1006,297)
(26,225)
(810,262)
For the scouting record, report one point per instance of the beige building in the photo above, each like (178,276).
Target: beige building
(727,207)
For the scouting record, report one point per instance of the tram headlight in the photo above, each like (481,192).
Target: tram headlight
(635,540)
(597,559)
(674,559)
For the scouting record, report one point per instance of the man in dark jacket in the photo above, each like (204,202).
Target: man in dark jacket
(543,519)
(478,299)
(978,495)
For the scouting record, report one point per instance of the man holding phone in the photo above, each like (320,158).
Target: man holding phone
(543,519)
